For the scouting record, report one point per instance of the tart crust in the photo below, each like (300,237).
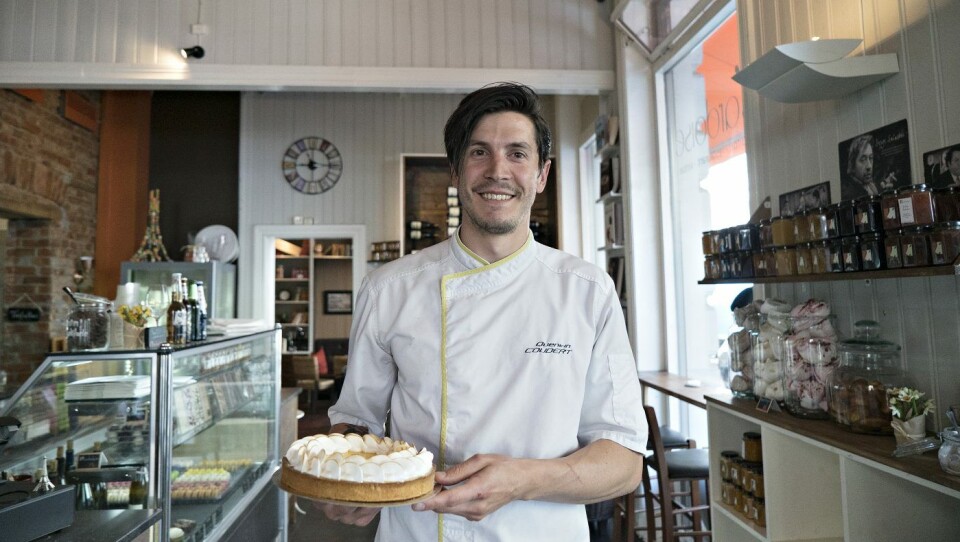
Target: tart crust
(338,490)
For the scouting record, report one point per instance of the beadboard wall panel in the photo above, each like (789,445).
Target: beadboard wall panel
(371,130)
(505,34)
(795,145)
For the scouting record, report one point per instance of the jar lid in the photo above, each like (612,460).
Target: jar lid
(745,227)
(917,229)
(888,193)
(946,189)
(866,339)
(729,453)
(751,435)
(916,188)
(871,236)
(866,199)
(850,239)
(948,225)
(766,221)
(711,232)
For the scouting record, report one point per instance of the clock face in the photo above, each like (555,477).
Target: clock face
(312,165)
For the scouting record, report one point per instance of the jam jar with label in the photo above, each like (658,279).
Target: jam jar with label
(819,257)
(872,254)
(868,214)
(891,249)
(748,237)
(916,205)
(804,265)
(851,253)
(710,241)
(946,203)
(817,224)
(835,260)
(765,233)
(801,229)
(944,242)
(786,261)
(782,231)
(890,209)
(915,246)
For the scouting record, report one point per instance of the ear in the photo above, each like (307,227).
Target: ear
(542,177)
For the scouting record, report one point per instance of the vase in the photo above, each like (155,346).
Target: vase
(132,337)
(910,430)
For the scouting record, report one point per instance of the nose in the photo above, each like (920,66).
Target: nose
(497,167)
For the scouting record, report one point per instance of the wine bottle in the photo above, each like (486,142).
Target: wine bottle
(177,320)
(70,456)
(192,308)
(60,477)
(139,489)
(184,298)
(202,312)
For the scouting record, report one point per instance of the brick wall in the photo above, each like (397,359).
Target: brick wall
(48,159)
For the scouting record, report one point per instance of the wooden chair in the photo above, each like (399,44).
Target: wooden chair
(689,467)
(309,378)
(625,507)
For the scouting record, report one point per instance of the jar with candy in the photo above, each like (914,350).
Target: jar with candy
(850,247)
(767,357)
(809,359)
(739,345)
(869,366)
(949,454)
(945,243)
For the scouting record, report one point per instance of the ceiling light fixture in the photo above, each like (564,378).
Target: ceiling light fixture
(192,52)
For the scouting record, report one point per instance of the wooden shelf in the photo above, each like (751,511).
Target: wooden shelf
(932,271)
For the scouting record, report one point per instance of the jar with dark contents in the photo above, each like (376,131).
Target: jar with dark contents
(946,204)
(817,224)
(804,264)
(765,233)
(915,246)
(835,255)
(726,459)
(751,447)
(748,237)
(890,209)
(868,214)
(851,253)
(88,327)
(916,205)
(725,266)
(891,249)
(727,240)
(872,254)
(833,221)
(945,243)
(759,264)
(846,218)
(711,267)
(745,267)
(735,270)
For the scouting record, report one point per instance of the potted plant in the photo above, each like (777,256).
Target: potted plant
(909,409)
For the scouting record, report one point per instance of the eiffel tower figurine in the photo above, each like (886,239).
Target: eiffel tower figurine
(152,249)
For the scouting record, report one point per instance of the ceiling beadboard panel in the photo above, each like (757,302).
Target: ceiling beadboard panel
(371,131)
(506,34)
(795,145)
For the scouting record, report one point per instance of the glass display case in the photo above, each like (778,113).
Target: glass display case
(198,423)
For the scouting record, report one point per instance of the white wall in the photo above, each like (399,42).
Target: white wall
(445,45)
(795,145)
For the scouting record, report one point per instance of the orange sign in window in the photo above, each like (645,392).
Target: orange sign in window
(723,122)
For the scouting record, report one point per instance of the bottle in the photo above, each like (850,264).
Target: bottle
(60,478)
(177,320)
(192,310)
(138,489)
(69,457)
(423,234)
(201,312)
(184,298)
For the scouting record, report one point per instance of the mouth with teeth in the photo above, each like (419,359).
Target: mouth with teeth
(489,196)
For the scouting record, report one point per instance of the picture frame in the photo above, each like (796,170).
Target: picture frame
(338,302)
(804,199)
(940,166)
(875,161)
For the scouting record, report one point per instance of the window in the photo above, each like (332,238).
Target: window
(708,188)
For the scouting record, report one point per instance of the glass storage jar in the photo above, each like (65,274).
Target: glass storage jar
(949,454)
(760,263)
(850,247)
(891,249)
(801,228)
(711,266)
(890,209)
(725,263)
(804,265)
(745,267)
(946,203)
(752,447)
(819,257)
(817,224)
(727,240)
(88,325)
(868,215)
(846,218)
(809,358)
(916,205)
(768,356)
(872,255)
(709,241)
(781,228)
(944,243)
(748,237)
(765,233)
(786,261)
(740,343)
(915,246)
(869,367)
(835,253)
(726,458)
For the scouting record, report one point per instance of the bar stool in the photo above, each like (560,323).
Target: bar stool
(625,507)
(690,466)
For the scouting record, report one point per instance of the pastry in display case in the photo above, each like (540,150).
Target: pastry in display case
(191,431)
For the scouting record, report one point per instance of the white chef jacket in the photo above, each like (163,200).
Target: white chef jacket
(526,357)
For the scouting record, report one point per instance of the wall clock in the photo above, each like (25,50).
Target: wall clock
(312,165)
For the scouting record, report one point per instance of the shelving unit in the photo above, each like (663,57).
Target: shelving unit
(931,271)
(824,483)
(610,207)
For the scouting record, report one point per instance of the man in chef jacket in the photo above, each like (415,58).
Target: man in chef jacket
(507,359)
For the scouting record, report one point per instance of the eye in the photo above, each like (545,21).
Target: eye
(477,152)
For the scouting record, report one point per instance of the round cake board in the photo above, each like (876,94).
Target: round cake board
(279,483)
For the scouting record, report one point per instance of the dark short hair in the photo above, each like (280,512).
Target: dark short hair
(948,156)
(856,147)
(494,99)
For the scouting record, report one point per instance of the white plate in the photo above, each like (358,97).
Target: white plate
(221,242)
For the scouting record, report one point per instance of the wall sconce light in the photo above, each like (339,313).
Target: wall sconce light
(192,52)
(82,267)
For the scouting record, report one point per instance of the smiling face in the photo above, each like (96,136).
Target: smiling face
(500,177)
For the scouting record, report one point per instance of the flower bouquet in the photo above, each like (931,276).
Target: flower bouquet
(909,409)
(134,317)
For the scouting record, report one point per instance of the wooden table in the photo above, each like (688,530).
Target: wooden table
(676,386)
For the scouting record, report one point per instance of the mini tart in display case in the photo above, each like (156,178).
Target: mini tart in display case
(354,468)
